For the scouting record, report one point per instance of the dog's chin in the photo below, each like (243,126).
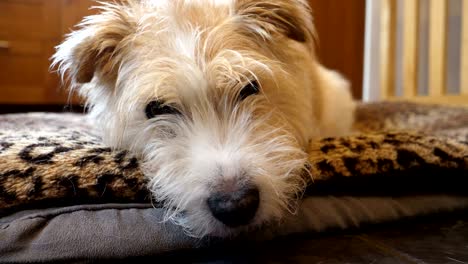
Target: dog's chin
(199,222)
(186,205)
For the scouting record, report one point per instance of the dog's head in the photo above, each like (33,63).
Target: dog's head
(214,95)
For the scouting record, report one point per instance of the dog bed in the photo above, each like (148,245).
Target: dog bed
(64,196)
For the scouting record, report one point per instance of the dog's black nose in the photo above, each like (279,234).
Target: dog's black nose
(235,208)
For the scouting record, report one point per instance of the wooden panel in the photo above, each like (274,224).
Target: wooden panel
(28,19)
(30,28)
(25,76)
(22,95)
(52,19)
(464,52)
(29,31)
(73,12)
(388,48)
(30,2)
(21,48)
(21,76)
(438,29)
(410,47)
(340,26)
(20,70)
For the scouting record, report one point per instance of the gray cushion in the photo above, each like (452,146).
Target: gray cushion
(116,231)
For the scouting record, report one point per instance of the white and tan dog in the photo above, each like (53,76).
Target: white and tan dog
(219,98)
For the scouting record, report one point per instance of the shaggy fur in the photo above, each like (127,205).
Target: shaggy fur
(47,159)
(197,56)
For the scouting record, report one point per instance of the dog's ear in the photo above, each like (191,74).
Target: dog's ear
(291,18)
(97,46)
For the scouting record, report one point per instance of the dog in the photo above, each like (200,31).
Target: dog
(218,98)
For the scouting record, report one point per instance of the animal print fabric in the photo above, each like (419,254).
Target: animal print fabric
(398,148)
(57,158)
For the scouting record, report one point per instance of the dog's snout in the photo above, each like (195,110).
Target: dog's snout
(236,208)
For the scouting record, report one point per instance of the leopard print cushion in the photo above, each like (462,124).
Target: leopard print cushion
(56,157)
(398,148)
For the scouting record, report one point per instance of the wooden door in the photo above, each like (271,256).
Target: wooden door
(340,25)
(29,31)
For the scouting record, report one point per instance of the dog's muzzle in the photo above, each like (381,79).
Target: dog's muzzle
(237,207)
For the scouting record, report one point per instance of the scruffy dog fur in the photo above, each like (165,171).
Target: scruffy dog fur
(219,99)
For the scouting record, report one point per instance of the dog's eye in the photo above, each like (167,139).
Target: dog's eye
(155,108)
(251,88)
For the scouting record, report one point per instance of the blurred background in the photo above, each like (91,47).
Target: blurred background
(30,29)
(388,49)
